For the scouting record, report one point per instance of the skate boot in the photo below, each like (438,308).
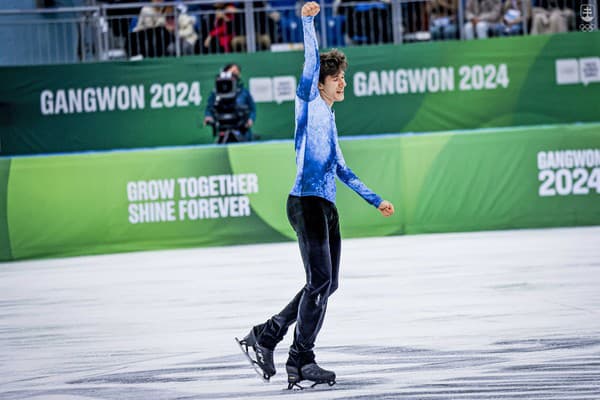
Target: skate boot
(309,372)
(263,357)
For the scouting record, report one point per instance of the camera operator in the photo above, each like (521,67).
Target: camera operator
(230,108)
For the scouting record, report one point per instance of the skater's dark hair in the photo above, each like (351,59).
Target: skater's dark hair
(332,63)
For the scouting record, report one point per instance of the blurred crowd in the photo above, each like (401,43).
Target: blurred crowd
(179,27)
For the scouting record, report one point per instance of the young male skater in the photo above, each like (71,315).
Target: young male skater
(312,213)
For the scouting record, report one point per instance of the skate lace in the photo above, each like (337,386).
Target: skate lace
(260,357)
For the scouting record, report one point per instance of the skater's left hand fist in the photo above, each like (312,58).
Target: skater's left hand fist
(386,208)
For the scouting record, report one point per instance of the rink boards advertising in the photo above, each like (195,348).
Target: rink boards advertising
(436,86)
(106,202)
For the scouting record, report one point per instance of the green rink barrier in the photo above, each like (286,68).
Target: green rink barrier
(5,253)
(437,86)
(66,205)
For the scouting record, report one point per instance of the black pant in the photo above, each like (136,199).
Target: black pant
(316,223)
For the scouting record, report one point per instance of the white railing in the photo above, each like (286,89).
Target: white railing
(128,31)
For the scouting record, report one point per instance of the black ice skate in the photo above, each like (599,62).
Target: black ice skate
(263,358)
(309,372)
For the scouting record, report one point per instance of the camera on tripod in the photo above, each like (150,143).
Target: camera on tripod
(230,117)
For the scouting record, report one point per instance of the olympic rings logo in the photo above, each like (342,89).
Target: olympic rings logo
(586,27)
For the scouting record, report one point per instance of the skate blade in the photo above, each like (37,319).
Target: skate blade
(261,374)
(297,386)
(330,383)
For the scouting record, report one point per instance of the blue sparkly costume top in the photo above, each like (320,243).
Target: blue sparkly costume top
(318,155)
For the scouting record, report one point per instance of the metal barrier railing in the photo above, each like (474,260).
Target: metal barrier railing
(52,35)
(134,30)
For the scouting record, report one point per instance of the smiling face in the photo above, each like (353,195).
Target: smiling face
(332,73)
(332,89)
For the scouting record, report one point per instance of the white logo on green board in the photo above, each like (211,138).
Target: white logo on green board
(571,71)
(190,198)
(430,80)
(276,89)
(568,172)
(119,98)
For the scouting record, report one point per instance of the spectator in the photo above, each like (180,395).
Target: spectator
(230,108)
(442,14)
(224,29)
(149,37)
(151,17)
(186,31)
(513,18)
(553,16)
(481,15)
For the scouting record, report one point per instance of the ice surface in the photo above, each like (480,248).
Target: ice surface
(486,315)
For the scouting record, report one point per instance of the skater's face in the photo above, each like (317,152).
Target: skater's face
(332,89)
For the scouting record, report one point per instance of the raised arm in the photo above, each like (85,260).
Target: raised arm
(308,86)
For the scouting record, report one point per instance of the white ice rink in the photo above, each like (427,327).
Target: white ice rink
(487,315)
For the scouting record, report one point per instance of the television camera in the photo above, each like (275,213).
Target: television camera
(230,117)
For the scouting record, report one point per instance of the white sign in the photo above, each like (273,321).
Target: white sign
(276,89)
(570,71)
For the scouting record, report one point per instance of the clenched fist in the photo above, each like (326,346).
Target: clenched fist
(386,208)
(310,9)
